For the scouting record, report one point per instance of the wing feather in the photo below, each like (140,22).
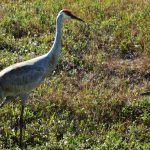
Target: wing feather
(21,78)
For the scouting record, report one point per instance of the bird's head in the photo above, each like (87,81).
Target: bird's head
(65,13)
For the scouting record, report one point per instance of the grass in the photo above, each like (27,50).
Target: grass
(92,99)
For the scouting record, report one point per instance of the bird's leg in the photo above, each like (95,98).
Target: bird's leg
(23,98)
(21,126)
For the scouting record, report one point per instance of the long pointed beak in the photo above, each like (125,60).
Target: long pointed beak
(74,17)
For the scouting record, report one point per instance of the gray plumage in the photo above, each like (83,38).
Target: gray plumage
(20,79)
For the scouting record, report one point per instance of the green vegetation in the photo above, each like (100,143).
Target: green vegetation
(92,100)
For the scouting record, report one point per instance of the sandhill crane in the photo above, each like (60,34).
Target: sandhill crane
(20,79)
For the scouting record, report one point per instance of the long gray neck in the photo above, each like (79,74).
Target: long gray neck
(56,48)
